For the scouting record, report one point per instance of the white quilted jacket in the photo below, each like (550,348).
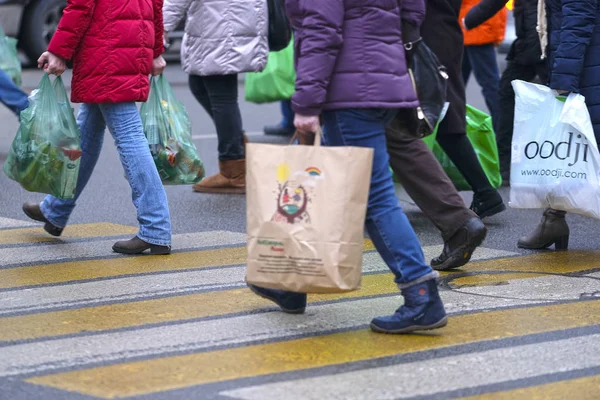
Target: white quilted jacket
(222,37)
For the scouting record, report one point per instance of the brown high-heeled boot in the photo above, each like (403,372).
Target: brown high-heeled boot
(552,230)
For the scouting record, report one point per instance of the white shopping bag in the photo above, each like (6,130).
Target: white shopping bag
(555,160)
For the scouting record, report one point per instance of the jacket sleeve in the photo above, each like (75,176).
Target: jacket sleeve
(319,42)
(412,14)
(483,11)
(173,12)
(579,17)
(75,21)
(159,45)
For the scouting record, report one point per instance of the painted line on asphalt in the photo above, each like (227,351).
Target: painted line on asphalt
(107,268)
(160,284)
(585,388)
(7,223)
(162,374)
(88,250)
(325,316)
(485,368)
(176,308)
(495,279)
(38,235)
(206,335)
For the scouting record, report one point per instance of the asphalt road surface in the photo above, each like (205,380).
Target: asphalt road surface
(80,322)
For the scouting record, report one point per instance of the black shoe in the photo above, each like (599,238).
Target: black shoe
(460,247)
(138,246)
(290,302)
(278,130)
(487,203)
(33,211)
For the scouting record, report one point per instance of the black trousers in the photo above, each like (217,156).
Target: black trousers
(218,95)
(505,124)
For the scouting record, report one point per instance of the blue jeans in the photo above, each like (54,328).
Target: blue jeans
(11,95)
(287,120)
(482,61)
(388,227)
(149,197)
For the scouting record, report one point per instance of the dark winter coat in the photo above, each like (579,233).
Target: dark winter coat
(350,54)
(525,50)
(574,51)
(443,34)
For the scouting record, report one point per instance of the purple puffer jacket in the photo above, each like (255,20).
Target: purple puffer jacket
(349,53)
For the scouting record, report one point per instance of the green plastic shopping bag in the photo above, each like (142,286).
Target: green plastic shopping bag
(481,135)
(45,154)
(277,81)
(169,133)
(9,58)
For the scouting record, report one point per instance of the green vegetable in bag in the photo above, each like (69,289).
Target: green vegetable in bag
(45,154)
(169,133)
(481,135)
(277,81)
(9,58)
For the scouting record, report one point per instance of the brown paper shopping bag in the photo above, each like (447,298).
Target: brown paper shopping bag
(306,208)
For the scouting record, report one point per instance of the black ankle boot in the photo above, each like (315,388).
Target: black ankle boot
(460,247)
(33,211)
(138,246)
(487,203)
(552,230)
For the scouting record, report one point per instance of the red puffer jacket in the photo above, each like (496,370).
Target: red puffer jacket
(112,44)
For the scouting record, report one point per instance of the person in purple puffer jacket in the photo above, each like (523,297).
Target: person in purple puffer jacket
(352,74)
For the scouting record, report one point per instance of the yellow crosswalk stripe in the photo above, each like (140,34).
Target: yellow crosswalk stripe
(161,310)
(93,269)
(184,307)
(587,388)
(563,262)
(144,377)
(38,235)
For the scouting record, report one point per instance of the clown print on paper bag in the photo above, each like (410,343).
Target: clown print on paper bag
(295,193)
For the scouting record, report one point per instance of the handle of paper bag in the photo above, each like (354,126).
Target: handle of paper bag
(318,136)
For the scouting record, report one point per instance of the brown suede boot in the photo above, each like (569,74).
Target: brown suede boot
(552,230)
(230,180)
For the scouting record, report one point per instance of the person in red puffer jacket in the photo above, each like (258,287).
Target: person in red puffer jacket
(114,46)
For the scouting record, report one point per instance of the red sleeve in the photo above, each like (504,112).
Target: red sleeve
(75,21)
(159,29)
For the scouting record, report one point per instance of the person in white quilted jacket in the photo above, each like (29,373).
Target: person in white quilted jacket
(222,39)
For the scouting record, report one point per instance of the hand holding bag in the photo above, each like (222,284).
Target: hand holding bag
(169,133)
(46,152)
(555,159)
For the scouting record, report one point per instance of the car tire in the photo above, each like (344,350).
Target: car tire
(39,23)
